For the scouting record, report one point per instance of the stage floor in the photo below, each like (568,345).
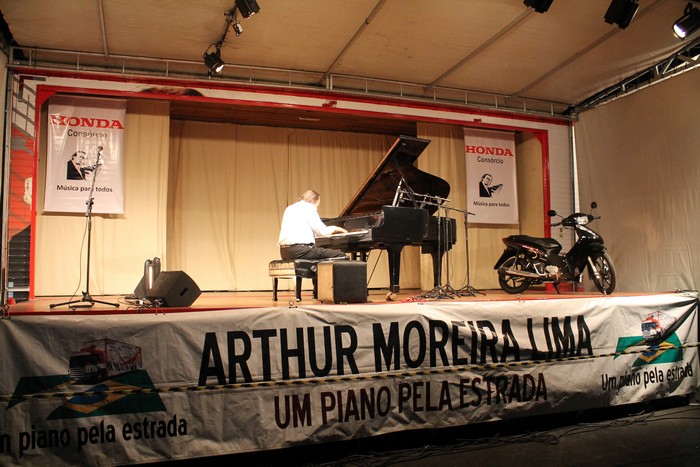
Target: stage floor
(209,301)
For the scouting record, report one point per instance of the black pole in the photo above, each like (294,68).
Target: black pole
(468,289)
(87,301)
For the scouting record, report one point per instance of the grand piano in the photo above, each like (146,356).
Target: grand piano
(395,207)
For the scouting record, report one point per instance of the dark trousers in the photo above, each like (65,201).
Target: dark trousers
(308,251)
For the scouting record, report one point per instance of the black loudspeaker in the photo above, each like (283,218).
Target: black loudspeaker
(342,281)
(174,289)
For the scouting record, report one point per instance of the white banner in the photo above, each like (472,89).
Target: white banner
(85,155)
(492,191)
(142,387)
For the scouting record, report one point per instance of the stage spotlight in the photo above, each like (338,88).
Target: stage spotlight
(688,23)
(540,6)
(247,7)
(621,12)
(213,61)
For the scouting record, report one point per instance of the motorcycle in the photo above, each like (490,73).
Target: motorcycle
(529,260)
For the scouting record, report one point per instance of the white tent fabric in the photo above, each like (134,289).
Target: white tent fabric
(493,46)
(640,155)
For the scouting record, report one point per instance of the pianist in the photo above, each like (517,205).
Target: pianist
(301,224)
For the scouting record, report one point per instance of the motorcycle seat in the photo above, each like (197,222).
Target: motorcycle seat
(547,243)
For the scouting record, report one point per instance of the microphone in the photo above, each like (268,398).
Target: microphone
(99,155)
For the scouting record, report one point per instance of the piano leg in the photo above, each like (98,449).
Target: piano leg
(394,267)
(437,265)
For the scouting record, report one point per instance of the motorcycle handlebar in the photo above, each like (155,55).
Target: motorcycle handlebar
(570,220)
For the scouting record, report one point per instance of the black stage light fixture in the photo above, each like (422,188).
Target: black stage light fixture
(213,61)
(540,6)
(621,12)
(688,23)
(247,7)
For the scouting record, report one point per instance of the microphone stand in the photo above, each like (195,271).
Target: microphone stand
(448,287)
(438,291)
(87,301)
(468,289)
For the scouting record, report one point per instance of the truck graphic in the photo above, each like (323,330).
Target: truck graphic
(102,359)
(656,324)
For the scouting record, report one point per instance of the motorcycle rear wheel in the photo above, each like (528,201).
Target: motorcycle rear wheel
(603,276)
(513,284)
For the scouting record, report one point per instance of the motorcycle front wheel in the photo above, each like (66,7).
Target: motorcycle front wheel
(513,284)
(602,272)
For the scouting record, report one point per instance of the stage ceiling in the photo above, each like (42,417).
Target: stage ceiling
(494,53)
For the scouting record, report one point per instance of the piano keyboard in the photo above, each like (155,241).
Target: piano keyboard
(347,234)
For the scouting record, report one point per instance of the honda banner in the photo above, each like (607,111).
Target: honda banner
(492,192)
(85,155)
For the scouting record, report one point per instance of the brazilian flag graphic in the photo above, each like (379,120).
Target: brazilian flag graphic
(132,392)
(668,351)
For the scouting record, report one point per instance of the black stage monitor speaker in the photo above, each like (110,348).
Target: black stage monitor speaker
(174,289)
(342,281)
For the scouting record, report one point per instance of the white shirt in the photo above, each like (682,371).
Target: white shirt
(301,224)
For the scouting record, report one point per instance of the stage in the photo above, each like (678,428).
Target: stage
(212,301)
(239,372)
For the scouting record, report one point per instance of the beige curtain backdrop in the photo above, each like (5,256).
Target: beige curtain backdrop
(120,244)
(207,198)
(638,158)
(231,183)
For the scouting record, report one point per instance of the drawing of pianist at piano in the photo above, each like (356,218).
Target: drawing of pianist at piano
(486,190)
(301,224)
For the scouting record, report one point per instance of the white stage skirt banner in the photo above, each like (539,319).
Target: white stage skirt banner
(85,155)
(131,388)
(492,191)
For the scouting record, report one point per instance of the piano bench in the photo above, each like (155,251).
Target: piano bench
(296,269)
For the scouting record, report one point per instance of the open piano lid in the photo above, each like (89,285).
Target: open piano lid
(381,186)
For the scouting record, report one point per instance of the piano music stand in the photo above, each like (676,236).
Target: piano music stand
(448,288)
(438,291)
